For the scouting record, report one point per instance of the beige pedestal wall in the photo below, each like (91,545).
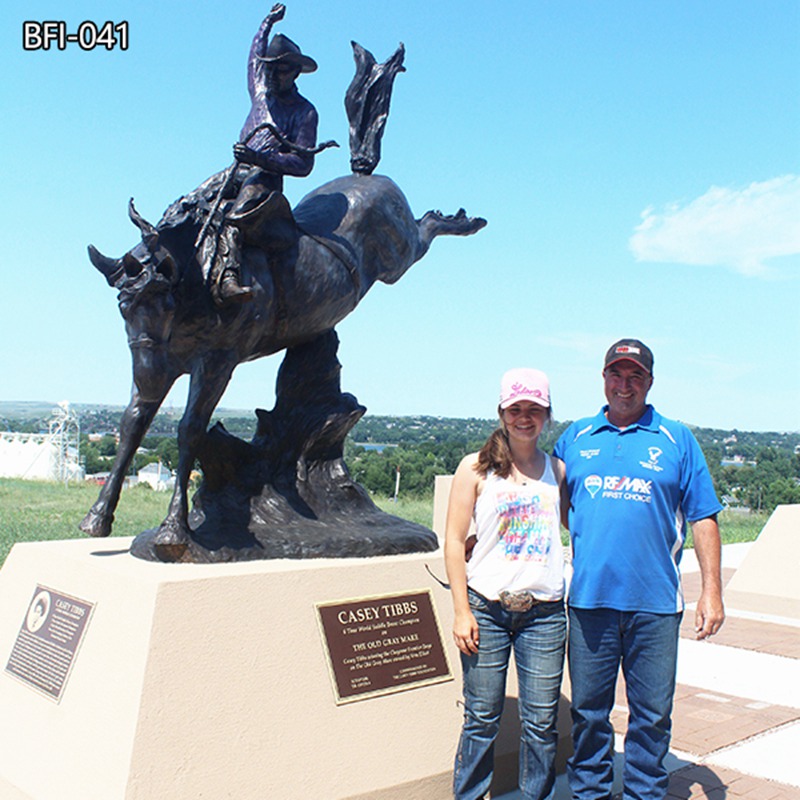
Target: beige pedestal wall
(211,681)
(766,581)
(441,497)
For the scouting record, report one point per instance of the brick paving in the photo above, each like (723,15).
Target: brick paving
(691,584)
(717,783)
(705,721)
(748,634)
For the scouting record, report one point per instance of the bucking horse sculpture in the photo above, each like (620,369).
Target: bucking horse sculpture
(287,493)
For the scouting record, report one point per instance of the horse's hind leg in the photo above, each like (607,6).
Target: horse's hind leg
(434,224)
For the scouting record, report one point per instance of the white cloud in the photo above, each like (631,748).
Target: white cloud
(740,229)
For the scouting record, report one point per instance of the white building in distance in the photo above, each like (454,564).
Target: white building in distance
(53,456)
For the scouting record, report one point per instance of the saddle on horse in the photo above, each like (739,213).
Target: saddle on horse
(269,225)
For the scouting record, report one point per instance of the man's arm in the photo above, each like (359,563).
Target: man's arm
(258,48)
(710,613)
(297,164)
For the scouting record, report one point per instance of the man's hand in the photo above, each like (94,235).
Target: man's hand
(244,154)
(709,615)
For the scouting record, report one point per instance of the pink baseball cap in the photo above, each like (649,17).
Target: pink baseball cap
(524,384)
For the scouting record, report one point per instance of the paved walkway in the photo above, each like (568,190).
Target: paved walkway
(736,721)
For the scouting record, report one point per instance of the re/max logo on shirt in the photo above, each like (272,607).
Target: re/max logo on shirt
(616,487)
(614,483)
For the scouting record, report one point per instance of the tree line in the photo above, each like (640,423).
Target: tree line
(755,470)
(766,471)
(771,478)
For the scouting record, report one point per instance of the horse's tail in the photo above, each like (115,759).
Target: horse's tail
(367,105)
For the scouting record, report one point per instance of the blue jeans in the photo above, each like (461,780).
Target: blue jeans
(538,639)
(647,647)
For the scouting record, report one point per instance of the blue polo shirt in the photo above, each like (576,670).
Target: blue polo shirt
(632,492)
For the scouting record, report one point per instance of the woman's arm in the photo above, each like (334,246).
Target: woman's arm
(463,494)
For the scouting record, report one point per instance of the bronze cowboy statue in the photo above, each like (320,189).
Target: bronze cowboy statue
(278,138)
(280,280)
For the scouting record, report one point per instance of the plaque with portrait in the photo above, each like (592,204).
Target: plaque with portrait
(48,640)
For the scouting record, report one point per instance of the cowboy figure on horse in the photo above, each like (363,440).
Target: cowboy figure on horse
(301,279)
(278,138)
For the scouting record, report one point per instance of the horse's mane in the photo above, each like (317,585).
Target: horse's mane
(182,220)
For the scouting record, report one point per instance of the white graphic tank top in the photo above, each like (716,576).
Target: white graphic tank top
(519,538)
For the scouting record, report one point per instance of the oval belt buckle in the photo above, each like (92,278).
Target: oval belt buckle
(517,601)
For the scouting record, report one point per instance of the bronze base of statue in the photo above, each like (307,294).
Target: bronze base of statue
(288,493)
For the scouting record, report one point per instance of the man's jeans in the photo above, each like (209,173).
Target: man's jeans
(647,647)
(537,637)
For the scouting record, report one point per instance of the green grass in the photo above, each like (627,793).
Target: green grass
(735,527)
(419,510)
(32,511)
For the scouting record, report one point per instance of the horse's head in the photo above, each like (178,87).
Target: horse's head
(145,278)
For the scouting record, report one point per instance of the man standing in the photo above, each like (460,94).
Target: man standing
(634,478)
(263,155)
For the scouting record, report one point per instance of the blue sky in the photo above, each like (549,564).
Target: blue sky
(638,163)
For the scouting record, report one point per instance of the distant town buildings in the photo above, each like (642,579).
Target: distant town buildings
(737,461)
(157,476)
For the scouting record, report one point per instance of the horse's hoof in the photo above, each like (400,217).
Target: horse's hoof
(95,524)
(170,553)
(171,541)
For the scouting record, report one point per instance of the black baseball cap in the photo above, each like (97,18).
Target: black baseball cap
(630,350)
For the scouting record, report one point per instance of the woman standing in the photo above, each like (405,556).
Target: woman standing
(508,589)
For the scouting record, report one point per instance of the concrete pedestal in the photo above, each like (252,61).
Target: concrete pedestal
(211,681)
(766,581)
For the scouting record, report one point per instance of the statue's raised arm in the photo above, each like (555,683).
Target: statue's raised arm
(258,48)
(272,69)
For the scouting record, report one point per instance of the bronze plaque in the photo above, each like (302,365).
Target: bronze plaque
(48,640)
(379,645)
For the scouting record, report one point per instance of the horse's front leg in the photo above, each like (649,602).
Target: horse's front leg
(208,383)
(135,421)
